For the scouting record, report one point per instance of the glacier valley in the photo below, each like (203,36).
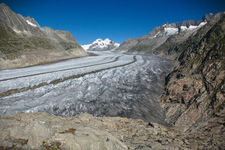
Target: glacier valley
(109,84)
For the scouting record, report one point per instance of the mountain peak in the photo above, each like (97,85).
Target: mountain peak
(33,38)
(101,45)
(100,40)
(167,33)
(31,22)
(3,5)
(175,28)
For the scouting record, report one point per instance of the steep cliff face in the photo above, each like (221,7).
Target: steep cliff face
(194,97)
(23,42)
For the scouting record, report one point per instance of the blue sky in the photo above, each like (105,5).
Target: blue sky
(118,20)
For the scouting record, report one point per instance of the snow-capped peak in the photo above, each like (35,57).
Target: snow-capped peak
(175,28)
(170,30)
(193,27)
(100,44)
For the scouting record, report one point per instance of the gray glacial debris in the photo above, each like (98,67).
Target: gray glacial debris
(124,87)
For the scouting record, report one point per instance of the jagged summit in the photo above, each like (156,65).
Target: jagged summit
(159,35)
(12,19)
(32,22)
(175,28)
(101,45)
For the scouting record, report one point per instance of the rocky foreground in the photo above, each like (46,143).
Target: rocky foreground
(85,132)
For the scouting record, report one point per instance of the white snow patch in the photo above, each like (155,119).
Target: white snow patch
(117,44)
(85,47)
(30,23)
(21,32)
(102,43)
(191,27)
(171,30)
(197,27)
(183,28)
(202,24)
(17,31)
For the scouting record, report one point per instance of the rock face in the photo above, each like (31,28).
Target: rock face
(23,42)
(194,97)
(101,45)
(150,43)
(85,132)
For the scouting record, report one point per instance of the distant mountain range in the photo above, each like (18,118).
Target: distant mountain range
(151,43)
(101,45)
(23,42)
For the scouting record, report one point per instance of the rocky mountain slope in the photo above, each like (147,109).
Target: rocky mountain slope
(175,32)
(173,46)
(194,97)
(101,45)
(23,42)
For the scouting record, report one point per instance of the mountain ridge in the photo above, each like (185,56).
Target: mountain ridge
(24,43)
(196,84)
(148,44)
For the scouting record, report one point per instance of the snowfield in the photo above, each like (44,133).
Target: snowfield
(109,84)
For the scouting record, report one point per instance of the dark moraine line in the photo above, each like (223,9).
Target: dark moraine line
(116,59)
(13,91)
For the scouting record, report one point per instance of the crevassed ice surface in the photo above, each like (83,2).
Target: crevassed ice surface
(106,85)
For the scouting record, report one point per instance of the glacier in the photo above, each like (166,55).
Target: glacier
(110,84)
